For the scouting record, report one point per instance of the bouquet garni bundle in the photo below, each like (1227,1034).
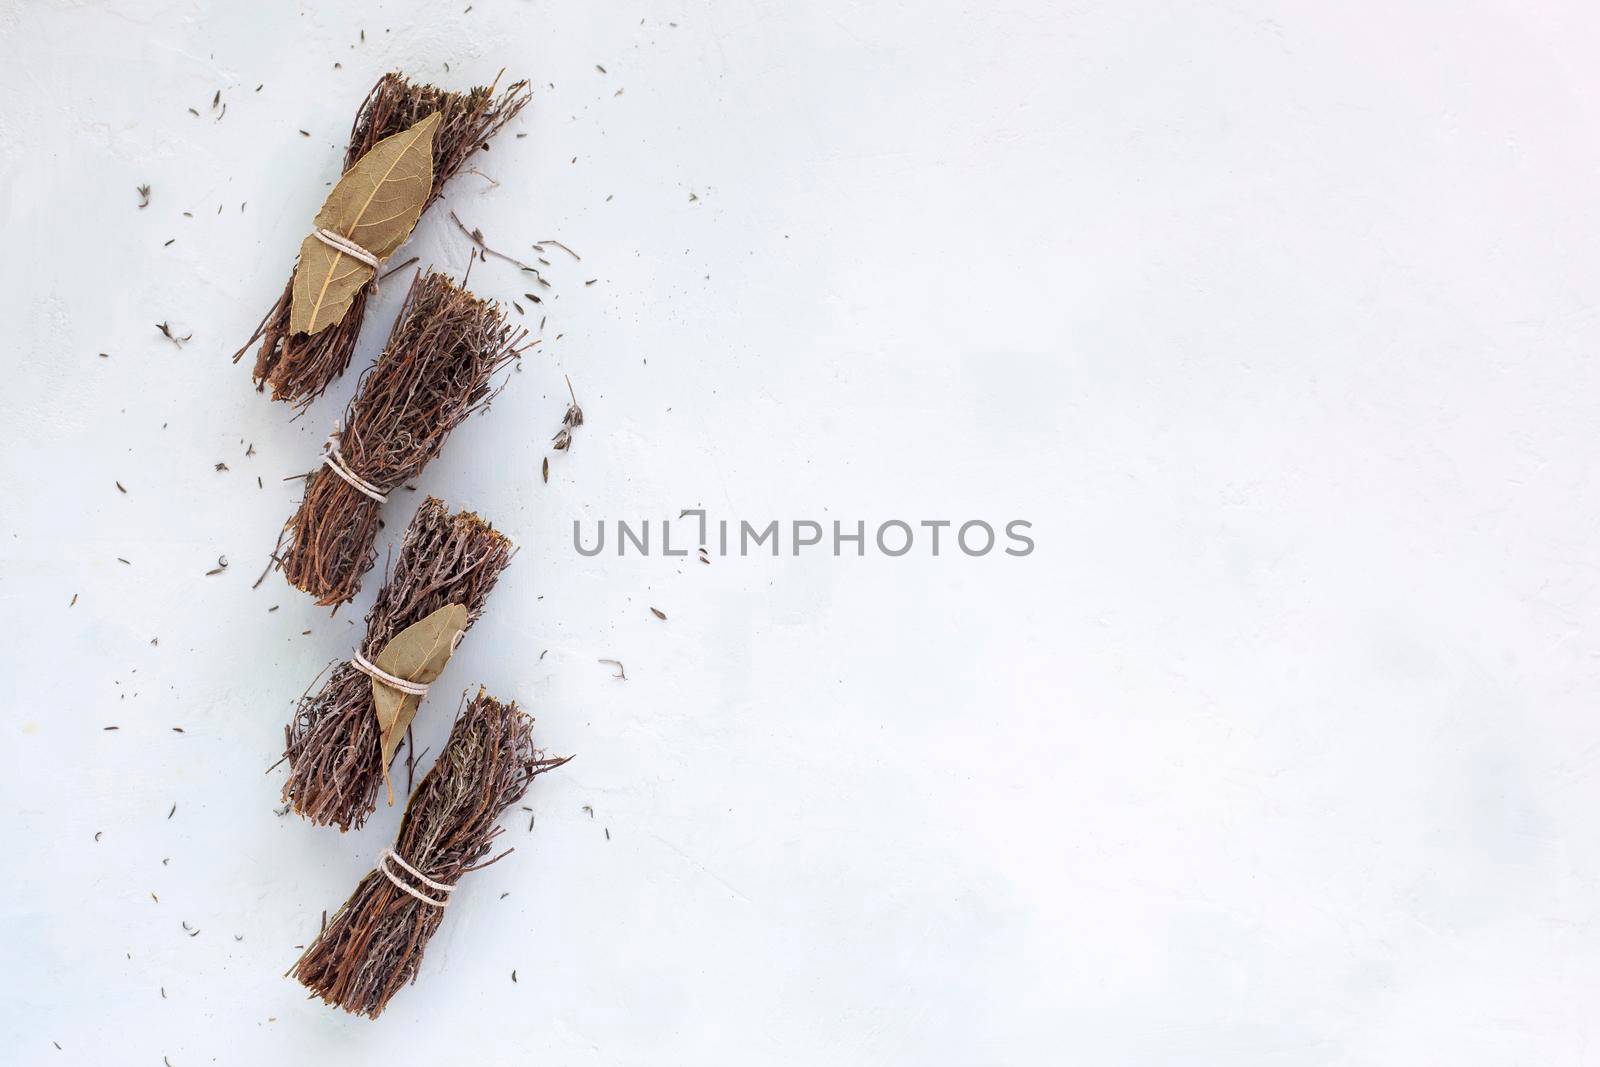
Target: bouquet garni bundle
(373,945)
(305,342)
(437,369)
(343,738)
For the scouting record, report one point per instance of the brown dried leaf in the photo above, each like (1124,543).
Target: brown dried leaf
(418,654)
(375,205)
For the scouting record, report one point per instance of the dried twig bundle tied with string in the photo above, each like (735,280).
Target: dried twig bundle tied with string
(300,365)
(337,747)
(372,947)
(438,368)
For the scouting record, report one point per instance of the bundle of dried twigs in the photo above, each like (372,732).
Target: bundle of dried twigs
(299,367)
(437,369)
(373,946)
(333,745)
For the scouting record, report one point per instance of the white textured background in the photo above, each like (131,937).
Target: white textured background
(1277,320)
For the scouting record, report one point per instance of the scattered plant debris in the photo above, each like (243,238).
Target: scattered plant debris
(166,331)
(569,422)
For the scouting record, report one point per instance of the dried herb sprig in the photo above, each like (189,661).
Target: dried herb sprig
(299,367)
(333,745)
(372,947)
(569,422)
(437,369)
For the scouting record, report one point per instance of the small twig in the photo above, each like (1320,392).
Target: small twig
(477,239)
(552,241)
(272,561)
(411,761)
(401,266)
(569,422)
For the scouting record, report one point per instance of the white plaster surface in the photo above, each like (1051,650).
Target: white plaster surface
(1278,321)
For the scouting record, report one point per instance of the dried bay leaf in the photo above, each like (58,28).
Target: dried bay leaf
(375,205)
(418,654)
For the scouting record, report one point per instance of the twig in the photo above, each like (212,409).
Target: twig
(552,241)
(476,237)
(401,266)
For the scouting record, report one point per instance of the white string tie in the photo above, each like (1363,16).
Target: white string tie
(388,855)
(378,674)
(333,459)
(340,243)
